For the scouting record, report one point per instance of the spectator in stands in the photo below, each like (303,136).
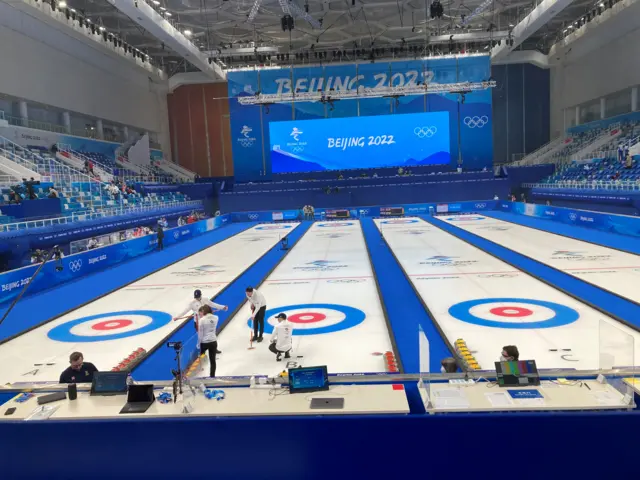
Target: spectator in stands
(615,176)
(163,222)
(375,174)
(628,161)
(196,177)
(400,171)
(586,167)
(327,190)
(620,153)
(340,177)
(53,193)
(336,190)
(513,197)
(181,221)
(495,197)
(86,165)
(37,256)
(79,371)
(626,152)
(28,185)
(548,203)
(93,243)
(312,212)
(523,198)
(90,166)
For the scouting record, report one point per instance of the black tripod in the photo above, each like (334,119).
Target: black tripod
(177,374)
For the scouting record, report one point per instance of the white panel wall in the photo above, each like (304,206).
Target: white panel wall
(607,70)
(42,64)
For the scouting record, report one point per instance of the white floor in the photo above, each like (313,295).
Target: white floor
(326,284)
(35,356)
(447,271)
(616,271)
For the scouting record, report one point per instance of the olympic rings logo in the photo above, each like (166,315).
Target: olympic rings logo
(246,142)
(573,216)
(473,122)
(253,216)
(297,149)
(425,132)
(75,265)
(481,205)
(176,235)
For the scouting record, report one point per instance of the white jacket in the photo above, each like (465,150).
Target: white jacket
(195,305)
(257,300)
(282,336)
(207,327)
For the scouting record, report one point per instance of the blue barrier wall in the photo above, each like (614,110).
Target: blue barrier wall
(44,207)
(78,265)
(581,218)
(361,196)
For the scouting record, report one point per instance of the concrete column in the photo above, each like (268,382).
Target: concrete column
(634,99)
(99,130)
(603,108)
(24,113)
(577,115)
(125,133)
(66,121)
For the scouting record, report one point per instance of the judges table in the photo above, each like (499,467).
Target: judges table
(488,397)
(239,401)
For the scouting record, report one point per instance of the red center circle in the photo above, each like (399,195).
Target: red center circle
(112,324)
(310,317)
(511,311)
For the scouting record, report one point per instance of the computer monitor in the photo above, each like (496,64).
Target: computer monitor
(308,379)
(517,374)
(109,383)
(140,394)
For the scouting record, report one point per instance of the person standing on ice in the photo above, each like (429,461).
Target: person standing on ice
(194,306)
(258,309)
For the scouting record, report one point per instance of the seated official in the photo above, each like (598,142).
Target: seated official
(448,365)
(79,371)
(282,337)
(510,353)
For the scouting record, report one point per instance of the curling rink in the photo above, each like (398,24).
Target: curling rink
(607,268)
(474,296)
(326,287)
(138,315)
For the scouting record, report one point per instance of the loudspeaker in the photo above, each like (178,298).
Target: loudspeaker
(73,391)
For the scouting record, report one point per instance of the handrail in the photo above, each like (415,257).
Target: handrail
(588,185)
(88,215)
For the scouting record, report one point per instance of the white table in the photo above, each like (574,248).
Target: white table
(358,400)
(555,397)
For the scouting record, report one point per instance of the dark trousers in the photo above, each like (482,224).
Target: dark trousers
(258,323)
(272,347)
(161,243)
(212,348)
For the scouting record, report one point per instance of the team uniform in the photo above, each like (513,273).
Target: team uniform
(195,305)
(258,307)
(208,339)
(282,339)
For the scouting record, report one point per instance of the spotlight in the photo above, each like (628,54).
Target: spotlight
(156,2)
(187,33)
(168,14)
(101,28)
(62,5)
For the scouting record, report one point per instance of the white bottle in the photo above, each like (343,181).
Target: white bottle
(252,382)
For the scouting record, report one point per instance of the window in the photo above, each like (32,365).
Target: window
(618,103)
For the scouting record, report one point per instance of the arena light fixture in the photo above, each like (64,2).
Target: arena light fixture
(188,33)
(365,92)
(62,5)
(101,28)
(156,2)
(168,14)
(254,11)
(163,9)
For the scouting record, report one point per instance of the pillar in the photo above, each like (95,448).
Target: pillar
(603,108)
(66,121)
(99,130)
(634,99)
(577,115)
(125,134)
(24,113)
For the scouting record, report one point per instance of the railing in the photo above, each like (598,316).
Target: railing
(8,180)
(87,215)
(525,159)
(589,185)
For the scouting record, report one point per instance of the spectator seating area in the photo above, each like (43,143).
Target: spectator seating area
(602,174)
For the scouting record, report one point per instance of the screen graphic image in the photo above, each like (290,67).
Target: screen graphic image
(360,142)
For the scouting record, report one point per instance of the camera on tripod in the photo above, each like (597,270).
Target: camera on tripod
(175,345)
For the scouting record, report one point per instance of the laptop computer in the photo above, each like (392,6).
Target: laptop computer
(308,379)
(517,374)
(109,383)
(139,399)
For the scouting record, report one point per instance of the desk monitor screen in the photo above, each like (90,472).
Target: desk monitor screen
(109,383)
(140,394)
(308,379)
(517,374)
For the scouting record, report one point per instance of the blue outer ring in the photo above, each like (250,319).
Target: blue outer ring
(353,317)
(335,224)
(397,222)
(467,219)
(564,315)
(271,227)
(62,333)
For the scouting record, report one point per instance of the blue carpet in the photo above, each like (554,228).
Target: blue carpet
(42,307)
(404,309)
(606,239)
(596,297)
(158,364)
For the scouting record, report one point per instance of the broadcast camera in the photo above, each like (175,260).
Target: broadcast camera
(175,345)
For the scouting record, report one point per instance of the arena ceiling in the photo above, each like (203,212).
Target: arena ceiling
(360,29)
